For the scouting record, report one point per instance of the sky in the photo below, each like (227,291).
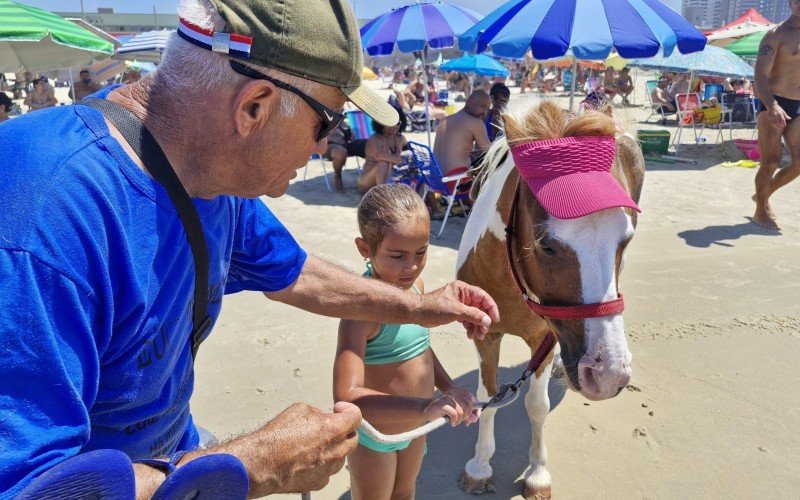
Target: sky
(365,9)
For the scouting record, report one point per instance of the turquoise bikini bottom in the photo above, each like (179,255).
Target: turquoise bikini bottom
(373,445)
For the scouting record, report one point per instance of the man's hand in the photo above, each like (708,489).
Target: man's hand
(777,116)
(458,301)
(296,451)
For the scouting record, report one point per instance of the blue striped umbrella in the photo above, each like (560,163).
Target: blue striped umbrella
(589,29)
(147,46)
(414,27)
(712,61)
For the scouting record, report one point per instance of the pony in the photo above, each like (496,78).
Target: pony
(559,262)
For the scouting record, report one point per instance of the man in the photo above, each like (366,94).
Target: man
(98,277)
(662,97)
(500,95)
(625,85)
(777,84)
(462,136)
(83,87)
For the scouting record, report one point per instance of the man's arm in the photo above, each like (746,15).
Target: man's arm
(480,135)
(326,289)
(764,64)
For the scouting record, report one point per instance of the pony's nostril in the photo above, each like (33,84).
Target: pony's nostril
(588,379)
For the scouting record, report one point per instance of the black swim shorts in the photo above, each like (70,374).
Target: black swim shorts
(790,106)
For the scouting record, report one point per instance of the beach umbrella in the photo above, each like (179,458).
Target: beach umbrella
(616,62)
(417,28)
(478,64)
(587,29)
(747,46)
(145,47)
(712,61)
(38,40)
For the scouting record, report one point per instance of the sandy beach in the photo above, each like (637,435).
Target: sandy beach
(713,320)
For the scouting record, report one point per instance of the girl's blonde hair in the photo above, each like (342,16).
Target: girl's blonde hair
(384,206)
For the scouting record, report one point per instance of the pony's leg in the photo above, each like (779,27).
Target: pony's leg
(537,403)
(477,475)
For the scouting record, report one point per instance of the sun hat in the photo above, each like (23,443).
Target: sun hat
(571,177)
(314,39)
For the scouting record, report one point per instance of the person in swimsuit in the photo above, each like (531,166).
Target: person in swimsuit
(777,85)
(500,95)
(389,370)
(383,152)
(41,97)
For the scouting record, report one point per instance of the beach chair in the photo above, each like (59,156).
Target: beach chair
(447,187)
(361,126)
(712,90)
(655,108)
(686,104)
(315,156)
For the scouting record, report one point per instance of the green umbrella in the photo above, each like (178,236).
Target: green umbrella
(747,46)
(39,40)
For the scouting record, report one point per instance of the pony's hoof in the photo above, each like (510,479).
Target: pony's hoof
(476,486)
(531,493)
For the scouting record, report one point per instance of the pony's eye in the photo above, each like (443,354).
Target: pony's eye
(547,250)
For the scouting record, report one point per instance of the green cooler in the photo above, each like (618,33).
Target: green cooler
(653,141)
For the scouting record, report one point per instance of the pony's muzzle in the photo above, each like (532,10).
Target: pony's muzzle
(603,379)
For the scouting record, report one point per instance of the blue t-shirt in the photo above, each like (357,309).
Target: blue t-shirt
(96,293)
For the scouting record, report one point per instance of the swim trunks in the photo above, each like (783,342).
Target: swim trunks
(790,106)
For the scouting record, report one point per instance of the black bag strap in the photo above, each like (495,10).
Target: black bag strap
(156,162)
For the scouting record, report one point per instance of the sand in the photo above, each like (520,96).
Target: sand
(713,320)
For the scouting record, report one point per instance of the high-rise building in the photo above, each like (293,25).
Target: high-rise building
(774,10)
(705,13)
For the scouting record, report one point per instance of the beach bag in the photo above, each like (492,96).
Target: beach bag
(710,115)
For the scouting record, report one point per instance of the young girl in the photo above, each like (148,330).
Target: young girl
(389,370)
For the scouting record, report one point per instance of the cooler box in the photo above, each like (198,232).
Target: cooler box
(653,141)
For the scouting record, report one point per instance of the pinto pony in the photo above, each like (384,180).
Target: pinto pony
(565,191)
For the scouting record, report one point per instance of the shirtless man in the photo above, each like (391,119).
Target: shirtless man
(462,133)
(777,84)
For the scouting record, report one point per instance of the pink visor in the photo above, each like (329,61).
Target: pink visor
(571,177)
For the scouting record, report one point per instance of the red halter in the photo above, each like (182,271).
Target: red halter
(583,311)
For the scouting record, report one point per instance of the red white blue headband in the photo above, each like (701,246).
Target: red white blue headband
(224,43)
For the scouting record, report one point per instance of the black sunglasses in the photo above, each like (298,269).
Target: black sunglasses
(330,118)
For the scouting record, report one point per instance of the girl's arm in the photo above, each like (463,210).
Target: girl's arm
(348,379)
(441,379)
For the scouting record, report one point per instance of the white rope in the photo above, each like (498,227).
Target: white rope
(431,426)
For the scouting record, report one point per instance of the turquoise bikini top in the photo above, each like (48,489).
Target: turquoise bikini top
(395,342)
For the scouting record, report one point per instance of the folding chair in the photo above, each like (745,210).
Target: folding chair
(686,104)
(434,182)
(712,90)
(361,126)
(315,156)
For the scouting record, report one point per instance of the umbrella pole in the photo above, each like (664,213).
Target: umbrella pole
(72,85)
(572,82)
(427,96)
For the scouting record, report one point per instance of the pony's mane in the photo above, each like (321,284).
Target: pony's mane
(536,123)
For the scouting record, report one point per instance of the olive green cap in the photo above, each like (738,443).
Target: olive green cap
(314,39)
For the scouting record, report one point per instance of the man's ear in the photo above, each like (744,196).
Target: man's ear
(363,248)
(253,106)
